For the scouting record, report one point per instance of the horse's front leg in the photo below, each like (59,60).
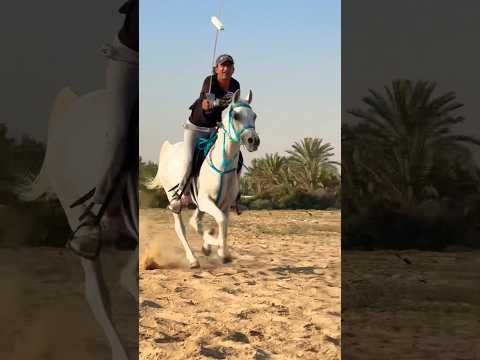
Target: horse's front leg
(221,218)
(180,230)
(98,298)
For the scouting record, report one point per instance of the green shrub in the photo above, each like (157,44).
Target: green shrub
(305,200)
(153,199)
(259,204)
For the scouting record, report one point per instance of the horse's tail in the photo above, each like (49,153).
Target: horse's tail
(156,182)
(30,187)
(64,99)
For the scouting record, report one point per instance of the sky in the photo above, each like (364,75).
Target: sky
(286,52)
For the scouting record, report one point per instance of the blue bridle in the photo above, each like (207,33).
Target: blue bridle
(231,128)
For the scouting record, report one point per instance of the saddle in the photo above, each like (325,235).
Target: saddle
(202,148)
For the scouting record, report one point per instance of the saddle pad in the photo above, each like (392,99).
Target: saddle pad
(202,148)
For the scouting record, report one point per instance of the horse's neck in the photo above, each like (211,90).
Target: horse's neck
(230,153)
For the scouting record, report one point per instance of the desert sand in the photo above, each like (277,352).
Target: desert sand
(278,299)
(43,311)
(410,305)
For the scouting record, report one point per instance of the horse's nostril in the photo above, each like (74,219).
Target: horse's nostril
(250,140)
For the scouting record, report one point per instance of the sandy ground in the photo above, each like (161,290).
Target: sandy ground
(278,299)
(423,305)
(43,313)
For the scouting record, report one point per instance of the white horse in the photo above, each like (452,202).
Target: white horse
(78,132)
(217,185)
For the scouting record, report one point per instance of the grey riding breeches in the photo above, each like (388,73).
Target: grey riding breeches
(191,134)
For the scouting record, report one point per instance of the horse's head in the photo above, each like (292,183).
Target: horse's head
(240,122)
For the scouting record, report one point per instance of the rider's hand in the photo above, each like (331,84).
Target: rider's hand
(205,104)
(222,102)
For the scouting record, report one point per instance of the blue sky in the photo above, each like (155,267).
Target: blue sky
(287,52)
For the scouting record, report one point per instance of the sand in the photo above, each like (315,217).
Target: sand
(43,311)
(278,299)
(420,305)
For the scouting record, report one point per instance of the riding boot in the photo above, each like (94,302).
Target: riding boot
(175,205)
(181,191)
(85,240)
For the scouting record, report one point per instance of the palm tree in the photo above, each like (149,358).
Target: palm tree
(268,173)
(394,147)
(310,163)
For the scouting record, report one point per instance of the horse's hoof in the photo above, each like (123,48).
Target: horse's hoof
(227,259)
(206,251)
(195,265)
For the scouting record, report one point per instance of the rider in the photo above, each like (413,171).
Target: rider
(205,116)
(122,88)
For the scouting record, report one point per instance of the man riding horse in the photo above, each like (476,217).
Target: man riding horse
(215,96)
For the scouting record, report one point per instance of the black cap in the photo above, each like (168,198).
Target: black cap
(224,58)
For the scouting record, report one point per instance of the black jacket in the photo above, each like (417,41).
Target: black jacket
(210,119)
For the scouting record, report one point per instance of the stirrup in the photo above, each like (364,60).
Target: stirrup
(174,187)
(177,195)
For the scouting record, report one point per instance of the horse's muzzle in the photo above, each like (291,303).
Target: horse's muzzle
(251,140)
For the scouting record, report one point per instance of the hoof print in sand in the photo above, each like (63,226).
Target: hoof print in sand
(231,291)
(214,352)
(180,289)
(165,338)
(284,270)
(238,337)
(332,340)
(245,314)
(261,355)
(151,304)
(256,333)
(281,310)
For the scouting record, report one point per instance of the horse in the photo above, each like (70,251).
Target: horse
(78,131)
(216,186)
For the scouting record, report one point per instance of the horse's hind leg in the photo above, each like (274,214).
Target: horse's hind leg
(221,218)
(180,230)
(195,221)
(97,297)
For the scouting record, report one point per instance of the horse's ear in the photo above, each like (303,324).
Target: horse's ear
(250,96)
(236,96)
